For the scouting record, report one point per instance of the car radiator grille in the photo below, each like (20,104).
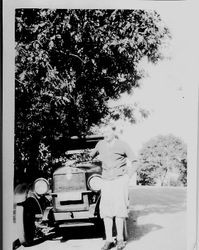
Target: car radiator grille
(64,185)
(73,182)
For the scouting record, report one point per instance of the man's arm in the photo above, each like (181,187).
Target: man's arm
(132,159)
(94,152)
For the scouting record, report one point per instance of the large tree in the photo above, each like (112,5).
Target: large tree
(162,155)
(69,63)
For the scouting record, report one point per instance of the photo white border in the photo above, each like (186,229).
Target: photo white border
(8,98)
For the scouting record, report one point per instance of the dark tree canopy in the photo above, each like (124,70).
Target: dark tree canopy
(69,63)
(162,155)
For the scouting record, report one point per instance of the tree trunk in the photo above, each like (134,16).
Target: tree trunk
(163,179)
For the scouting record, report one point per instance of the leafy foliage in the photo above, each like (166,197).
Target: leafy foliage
(160,156)
(69,63)
(126,112)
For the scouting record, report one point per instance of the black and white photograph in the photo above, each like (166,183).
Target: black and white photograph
(102,129)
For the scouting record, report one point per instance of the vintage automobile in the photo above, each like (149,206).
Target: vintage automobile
(72,198)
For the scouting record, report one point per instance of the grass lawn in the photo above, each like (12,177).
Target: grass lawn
(157,218)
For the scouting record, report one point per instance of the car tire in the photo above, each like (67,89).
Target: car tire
(25,218)
(99,227)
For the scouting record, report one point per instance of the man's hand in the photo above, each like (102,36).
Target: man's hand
(93,153)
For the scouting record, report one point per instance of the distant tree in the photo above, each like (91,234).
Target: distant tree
(69,63)
(183,172)
(159,156)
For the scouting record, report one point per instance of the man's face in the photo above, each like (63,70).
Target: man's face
(109,134)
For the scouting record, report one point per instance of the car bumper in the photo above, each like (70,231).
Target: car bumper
(62,216)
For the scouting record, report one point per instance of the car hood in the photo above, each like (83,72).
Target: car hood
(78,168)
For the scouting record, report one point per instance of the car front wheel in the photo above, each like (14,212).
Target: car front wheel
(28,230)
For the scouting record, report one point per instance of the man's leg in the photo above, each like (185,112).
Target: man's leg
(119,221)
(108,224)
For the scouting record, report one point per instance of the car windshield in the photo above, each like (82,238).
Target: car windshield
(76,151)
(80,155)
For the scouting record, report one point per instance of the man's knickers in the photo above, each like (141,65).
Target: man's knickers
(114,197)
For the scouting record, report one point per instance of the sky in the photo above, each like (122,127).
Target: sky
(169,90)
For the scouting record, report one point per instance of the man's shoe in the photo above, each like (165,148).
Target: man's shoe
(120,245)
(108,245)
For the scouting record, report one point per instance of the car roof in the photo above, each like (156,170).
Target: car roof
(89,142)
(77,143)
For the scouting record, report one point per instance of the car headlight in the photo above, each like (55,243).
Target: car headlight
(95,182)
(41,186)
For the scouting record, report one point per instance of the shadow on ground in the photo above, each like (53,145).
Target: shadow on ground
(79,233)
(35,242)
(136,231)
(62,235)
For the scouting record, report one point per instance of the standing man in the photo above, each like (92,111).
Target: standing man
(113,153)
